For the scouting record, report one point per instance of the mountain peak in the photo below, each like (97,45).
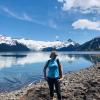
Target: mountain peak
(70,40)
(97,38)
(37,45)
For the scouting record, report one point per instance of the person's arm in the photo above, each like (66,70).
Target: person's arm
(60,69)
(45,67)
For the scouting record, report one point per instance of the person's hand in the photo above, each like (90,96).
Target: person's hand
(61,79)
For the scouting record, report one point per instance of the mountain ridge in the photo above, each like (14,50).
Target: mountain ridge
(34,45)
(10,44)
(91,45)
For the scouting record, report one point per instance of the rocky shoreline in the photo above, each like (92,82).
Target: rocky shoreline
(81,85)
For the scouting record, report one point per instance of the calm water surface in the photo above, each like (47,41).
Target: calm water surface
(22,68)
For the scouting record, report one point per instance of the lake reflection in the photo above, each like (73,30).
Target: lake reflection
(20,69)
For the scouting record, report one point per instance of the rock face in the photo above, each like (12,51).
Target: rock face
(69,48)
(92,45)
(69,45)
(16,47)
(82,85)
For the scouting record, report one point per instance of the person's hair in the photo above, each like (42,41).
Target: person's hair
(54,54)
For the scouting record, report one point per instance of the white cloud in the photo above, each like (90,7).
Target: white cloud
(57,37)
(52,24)
(86,24)
(26,17)
(82,5)
(60,0)
(22,16)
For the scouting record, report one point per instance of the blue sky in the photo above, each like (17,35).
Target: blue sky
(49,20)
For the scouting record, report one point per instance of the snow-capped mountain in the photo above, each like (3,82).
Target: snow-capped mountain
(68,45)
(37,45)
(7,40)
(40,45)
(9,44)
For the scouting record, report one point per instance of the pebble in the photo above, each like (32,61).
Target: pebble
(81,85)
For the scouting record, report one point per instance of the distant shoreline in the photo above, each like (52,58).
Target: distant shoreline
(13,55)
(81,84)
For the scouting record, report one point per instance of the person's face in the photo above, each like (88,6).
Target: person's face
(52,56)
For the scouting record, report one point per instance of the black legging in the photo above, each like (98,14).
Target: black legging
(54,82)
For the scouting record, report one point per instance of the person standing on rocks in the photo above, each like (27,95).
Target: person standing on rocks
(54,75)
